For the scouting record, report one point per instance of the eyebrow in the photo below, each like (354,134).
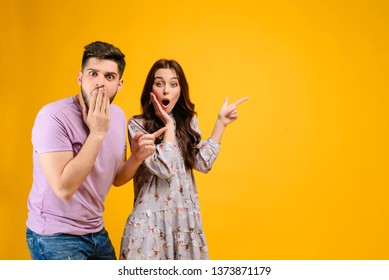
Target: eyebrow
(173,78)
(106,73)
(111,73)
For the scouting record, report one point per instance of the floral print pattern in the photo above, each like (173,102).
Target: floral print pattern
(166,221)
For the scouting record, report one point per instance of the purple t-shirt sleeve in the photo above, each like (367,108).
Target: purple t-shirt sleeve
(49,135)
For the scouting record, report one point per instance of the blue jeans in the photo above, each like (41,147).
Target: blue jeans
(93,246)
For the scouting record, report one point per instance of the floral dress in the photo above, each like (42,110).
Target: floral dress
(165,222)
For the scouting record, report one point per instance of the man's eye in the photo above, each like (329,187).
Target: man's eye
(110,77)
(93,74)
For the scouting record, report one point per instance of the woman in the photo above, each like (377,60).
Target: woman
(166,221)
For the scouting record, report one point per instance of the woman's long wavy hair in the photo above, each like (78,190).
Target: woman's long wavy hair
(183,112)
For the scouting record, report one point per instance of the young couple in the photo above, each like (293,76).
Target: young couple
(79,152)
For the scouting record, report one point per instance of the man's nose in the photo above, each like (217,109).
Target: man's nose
(99,81)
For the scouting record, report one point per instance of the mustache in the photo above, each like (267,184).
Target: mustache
(97,88)
(85,95)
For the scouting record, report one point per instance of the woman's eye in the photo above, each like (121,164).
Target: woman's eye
(174,85)
(159,84)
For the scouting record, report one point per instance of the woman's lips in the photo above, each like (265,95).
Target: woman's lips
(165,103)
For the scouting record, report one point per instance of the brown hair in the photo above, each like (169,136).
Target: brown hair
(183,112)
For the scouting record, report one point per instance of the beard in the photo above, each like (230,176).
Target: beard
(86,100)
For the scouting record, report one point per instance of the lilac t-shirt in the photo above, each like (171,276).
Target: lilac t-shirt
(59,126)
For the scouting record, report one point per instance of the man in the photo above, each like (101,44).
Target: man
(79,151)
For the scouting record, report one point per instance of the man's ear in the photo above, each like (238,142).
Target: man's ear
(79,78)
(120,84)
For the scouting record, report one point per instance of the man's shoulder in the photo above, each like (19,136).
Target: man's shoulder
(117,110)
(54,107)
(116,107)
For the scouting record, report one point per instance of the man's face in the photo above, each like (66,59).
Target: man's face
(99,73)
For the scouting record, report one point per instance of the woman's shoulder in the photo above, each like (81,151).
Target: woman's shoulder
(136,123)
(194,122)
(136,118)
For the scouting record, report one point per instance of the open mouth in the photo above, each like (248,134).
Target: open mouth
(165,102)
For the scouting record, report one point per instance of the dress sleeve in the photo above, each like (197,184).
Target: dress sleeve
(208,151)
(161,162)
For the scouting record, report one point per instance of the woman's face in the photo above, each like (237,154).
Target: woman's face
(166,88)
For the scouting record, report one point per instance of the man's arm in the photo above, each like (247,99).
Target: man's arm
(66,172)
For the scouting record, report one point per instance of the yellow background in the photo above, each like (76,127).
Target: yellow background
(303,173)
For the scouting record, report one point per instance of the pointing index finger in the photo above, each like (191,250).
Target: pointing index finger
(159,132)
(236,103)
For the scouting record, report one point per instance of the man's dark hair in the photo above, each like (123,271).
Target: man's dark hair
(103,50)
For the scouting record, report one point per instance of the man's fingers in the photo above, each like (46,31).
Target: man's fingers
(105,104)
(100,98)
(92,102)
